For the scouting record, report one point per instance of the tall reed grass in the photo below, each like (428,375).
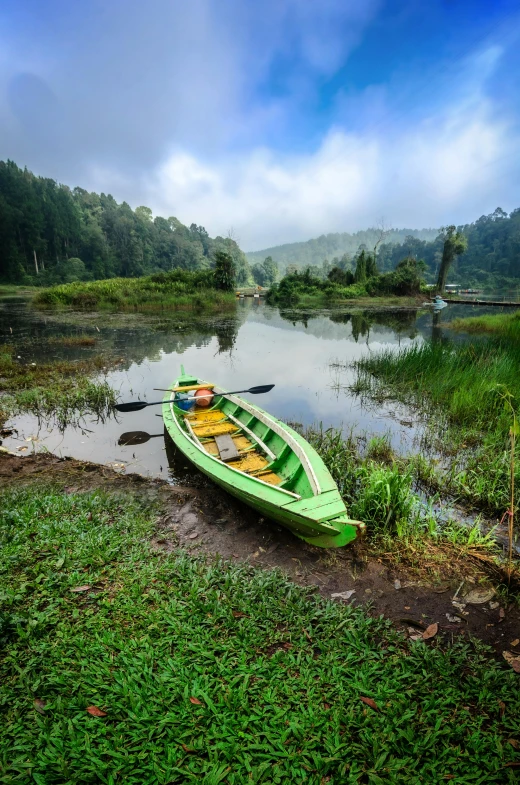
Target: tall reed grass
(460,388)
(380,489)
(503,324)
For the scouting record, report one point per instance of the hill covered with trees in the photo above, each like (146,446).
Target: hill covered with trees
(490,259)
(331,246)
(52,234)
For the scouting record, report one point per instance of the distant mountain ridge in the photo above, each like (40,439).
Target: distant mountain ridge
(328,246)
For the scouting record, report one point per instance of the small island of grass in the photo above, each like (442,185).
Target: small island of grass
(403,285)
(175,290)
(506,325)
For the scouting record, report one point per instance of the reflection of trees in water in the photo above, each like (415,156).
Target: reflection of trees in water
(362,321)
(297,317)
(128,341)
(226,332)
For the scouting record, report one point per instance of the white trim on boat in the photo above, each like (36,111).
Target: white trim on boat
(253,435)
(285,435)
(217,460)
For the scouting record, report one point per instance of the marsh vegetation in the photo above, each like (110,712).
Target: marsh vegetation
(64,391)
(178,290)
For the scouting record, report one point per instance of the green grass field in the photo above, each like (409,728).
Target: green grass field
(212,673)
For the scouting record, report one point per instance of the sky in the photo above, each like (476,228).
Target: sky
(272,121)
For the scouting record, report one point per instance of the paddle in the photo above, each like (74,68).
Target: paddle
(138,405)
(136,437)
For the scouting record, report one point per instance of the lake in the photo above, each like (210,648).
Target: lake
(305,354)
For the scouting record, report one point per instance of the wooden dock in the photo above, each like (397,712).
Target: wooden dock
(504,304)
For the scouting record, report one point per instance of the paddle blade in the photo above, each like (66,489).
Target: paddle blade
(265,388)
(130,407)
(133,437)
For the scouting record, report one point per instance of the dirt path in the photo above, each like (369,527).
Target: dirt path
(205,520)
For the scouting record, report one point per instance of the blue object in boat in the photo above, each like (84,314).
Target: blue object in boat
(184,402)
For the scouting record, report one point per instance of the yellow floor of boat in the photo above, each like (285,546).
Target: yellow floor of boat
(250,462)
(203,431)
(204,416)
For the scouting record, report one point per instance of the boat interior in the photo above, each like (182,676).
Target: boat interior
(244,438)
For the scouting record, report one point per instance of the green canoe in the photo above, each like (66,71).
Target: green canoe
(261,461)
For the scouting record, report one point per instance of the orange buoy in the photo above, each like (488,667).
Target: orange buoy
(203,397)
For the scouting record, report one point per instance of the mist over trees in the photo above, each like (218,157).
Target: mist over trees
(52,234)
(331,246)
(265,274)
(491,258)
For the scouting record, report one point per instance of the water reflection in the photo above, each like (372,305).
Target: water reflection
(307,354)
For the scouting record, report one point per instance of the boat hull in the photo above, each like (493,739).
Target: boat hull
(321,519)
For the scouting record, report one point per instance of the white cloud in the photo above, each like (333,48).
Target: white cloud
(188,107)
(446,169)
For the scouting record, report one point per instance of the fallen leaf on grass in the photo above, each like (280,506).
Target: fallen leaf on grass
(512,660)
(238,614)
(430,631)
(187,749)
(515,642)
(96,712)
(502,707)
(196,701)
(514,743)
(39,705)
(81,588)
(370,702)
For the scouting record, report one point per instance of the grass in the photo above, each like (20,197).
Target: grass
(502,324)
(381,489)
(72,340)
(62,390)
(178,290)
(7,289)
(461,389)
(213,673)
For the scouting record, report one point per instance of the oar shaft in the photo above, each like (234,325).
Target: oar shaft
(138,405)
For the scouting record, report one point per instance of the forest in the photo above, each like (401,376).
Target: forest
(334,246)
(491,259)
(52,234)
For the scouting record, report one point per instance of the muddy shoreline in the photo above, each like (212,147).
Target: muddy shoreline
(206,521)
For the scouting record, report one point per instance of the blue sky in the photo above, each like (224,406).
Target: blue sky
(277,120)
